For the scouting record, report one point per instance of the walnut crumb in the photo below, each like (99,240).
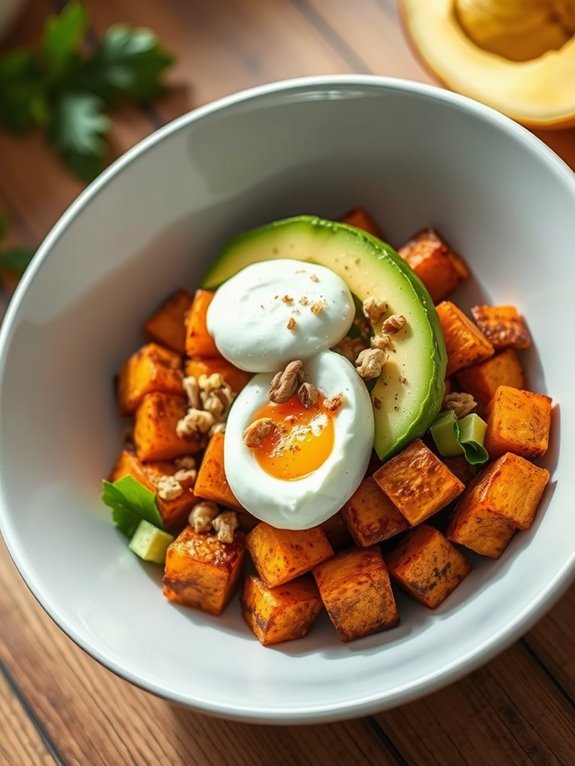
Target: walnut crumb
(314,278)
(217,428)
(370,363)
(333,403)
(461,404)
(303,301)
(169,488)
(393,324)
(185,463)
(211,382)
(308,395)
(225,525)
(285,383)
(287,299)
(192,391)
(202,515)
(291,324)
(257,431)
(374,309)
(186,476)
(194,422)
(380,341)
(318,306)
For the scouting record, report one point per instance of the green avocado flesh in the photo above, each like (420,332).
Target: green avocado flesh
(409,392)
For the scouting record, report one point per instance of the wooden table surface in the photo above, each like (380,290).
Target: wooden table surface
(57,705)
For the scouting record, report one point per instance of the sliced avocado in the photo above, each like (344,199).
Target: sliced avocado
(150,543)
(409,393)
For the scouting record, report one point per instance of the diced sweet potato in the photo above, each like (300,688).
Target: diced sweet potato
(482,380)
(417,482)
(280,614)
(151,368)
(281,555)
(198,340)
(361,219)
(427,566)
(371,516)
(211,483)
(465,343)
(174,512)
(459,466)
(356,591)
(167,324)
(336,531)
(503,326)
(155,424)
(202,571)
(233,376)
(439,268)
(505,494)
(518,421)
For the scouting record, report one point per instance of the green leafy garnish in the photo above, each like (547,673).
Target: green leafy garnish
(64,86)
(130,502)
(460,437)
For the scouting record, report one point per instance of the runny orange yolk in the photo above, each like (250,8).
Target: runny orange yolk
(301,441)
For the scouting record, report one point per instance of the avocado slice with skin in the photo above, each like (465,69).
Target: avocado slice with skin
(408,394)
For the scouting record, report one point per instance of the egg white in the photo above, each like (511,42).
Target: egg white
(249,314)
(305,502)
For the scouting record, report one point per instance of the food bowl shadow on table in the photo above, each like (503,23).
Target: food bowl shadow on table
(413,155)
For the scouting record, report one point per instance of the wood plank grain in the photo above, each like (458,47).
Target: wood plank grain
(20,742)
(97,718)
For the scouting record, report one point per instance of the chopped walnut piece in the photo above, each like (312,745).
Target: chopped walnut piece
(257,431)
(186,475)
(350,348)
(218,401)
(374,309)
(217,428)
(192,390)
(333,403)
(194,422)
(461,404)
(202,515)
(185,463)
(393,324)
(291,324)
(211,382)
(314,278)
(169,488)
(370,363)
(284,384)
(303,301)
(308,395)
(380,341)
(225,526)
(287,299)
(318,306)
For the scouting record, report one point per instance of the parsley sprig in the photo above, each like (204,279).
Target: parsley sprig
(66,87)
(130,502)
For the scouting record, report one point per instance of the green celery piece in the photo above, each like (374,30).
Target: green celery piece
(130,502)
(150,543)
(445,433)
(471,436)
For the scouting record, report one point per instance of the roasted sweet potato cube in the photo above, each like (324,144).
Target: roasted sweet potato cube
(174,512)
(155,433)
(417,482)
(509,489)
(371,516)
(518,421)
(211,483)
(439,268)
(167,324)
(280,614)
(361,219)
(427,566)
(281,555)
(151,368)
(503,326)
(336,531)
(459,466)
(464,342)
(198,340)
(234,377)
(356,591)
(481,531)
(202,571)
(482,380)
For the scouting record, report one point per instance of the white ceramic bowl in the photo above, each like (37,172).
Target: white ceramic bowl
(414,156)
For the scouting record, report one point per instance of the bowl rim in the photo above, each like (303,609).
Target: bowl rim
(252,713)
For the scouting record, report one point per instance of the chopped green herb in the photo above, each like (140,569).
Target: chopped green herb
(130,502)
(460,437)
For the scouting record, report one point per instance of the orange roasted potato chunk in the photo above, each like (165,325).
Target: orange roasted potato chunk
(211,483)
(174,512)
(234,377)
(371,516)
(151,368)
(427,566)
(465,343)
(507,494)
(356,591)
(417,482)
(155,434)
(482,380)
(440,269)
(280,614)
(503,326)
(281,555)
(202,571)
(336,531)
(361,219)
(518,421)
(167,324)
(198,340)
